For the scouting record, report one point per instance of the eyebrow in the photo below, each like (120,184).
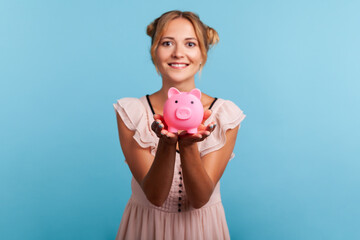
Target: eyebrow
(189,38)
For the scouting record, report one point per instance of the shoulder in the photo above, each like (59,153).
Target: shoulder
(129,101)
(227,110)
(130,104)
(130,110)
(227,116)
(136,117)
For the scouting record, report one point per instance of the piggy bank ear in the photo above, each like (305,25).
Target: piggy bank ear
(173,91)
(196,92)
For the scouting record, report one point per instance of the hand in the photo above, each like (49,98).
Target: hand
(203,131)
(160,129)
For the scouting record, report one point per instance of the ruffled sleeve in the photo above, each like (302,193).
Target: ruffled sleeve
(134,116)
(227,116)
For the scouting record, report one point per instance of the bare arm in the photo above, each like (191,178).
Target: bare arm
(202,174)
(154,174)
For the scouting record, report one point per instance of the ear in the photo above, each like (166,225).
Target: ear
(173,91)
(196,92)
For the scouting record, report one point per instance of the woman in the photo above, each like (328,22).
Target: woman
(175,185)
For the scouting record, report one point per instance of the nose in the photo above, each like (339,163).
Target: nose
(178,52)
(183,113)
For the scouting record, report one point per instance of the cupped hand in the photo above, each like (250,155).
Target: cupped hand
(160,128)
(203,131)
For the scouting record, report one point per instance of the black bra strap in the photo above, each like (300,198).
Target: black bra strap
(148,99)
(213,103)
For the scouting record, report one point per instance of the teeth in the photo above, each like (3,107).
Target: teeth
(178,65)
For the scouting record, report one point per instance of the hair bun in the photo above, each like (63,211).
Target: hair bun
(212,36)
(150,29)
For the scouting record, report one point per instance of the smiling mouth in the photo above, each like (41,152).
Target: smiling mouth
(178,65)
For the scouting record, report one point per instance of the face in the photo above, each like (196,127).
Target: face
(178,54)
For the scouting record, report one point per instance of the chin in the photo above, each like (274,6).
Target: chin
(178,76)
(179,79)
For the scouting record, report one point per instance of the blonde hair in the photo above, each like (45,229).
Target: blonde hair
(206,35)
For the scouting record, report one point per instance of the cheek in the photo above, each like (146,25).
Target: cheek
(195,56)
(162,54)
(159,60)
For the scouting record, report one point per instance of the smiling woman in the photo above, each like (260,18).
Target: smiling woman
(175,184)
(178,50)
(199,33)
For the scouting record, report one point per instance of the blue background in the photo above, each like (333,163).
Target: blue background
(291,66)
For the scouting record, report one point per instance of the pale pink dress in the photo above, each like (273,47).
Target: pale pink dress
(176,219)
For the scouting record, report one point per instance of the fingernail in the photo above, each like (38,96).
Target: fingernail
(161,126)
(162,134)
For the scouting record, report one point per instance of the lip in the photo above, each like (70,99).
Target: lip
(184,65)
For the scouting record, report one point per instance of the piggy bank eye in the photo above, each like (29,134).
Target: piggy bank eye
(192,102)
(176,101)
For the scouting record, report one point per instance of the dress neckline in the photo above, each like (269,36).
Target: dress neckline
(152,109)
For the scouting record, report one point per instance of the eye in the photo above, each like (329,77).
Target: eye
(192,102)
(176,101)
(191,44)
(166,43)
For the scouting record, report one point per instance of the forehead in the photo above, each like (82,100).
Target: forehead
(179,27)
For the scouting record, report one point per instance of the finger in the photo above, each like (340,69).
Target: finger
(157,128)
(160,125)
(157,124)
(157,117)
(170,135)
(183,133)
(207,114)
(204,134)
(211,127)
(166,133)
(154,126)
(163,132)
(201,127)
(198,136)
(161,118)
(192,137)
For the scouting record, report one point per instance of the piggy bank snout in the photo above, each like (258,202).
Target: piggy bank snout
(183,113)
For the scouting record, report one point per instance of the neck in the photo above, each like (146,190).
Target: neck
(184,86)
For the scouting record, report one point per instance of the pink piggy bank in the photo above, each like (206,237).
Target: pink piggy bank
(183,110)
